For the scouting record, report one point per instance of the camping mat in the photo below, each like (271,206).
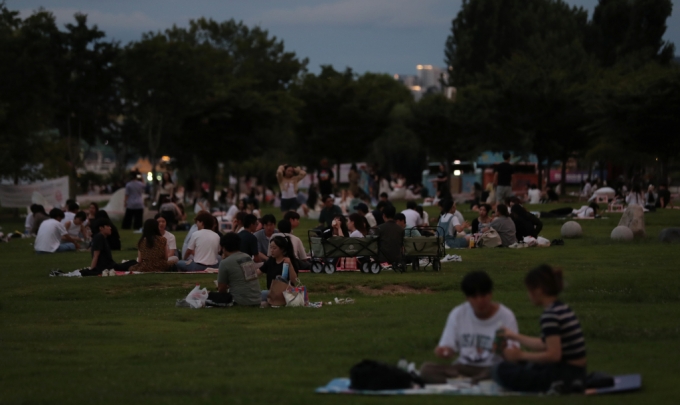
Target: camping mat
(623,383)
(129,273)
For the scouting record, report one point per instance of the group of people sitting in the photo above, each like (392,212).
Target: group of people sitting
(483,336)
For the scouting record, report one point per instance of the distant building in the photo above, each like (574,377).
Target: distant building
(428,80)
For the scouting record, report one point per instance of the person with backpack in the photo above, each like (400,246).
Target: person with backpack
(449,225)
(557,360)
(470,334)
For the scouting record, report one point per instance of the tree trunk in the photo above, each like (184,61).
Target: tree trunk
(540,172)
(602,179)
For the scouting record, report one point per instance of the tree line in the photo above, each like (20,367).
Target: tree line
(532,77)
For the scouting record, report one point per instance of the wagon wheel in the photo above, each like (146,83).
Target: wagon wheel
(329,268)
(317,267)
(365,267)
(375,268)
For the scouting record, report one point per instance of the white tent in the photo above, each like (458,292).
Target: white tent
(116,205)
(608,192)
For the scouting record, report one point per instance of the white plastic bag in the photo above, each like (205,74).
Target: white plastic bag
(530,241)
(197,297)
(542,242)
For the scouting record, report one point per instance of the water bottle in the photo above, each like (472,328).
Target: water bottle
(284,274)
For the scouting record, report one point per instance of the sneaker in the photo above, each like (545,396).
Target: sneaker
(456,258)
(105,273)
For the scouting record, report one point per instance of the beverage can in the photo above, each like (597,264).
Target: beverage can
(472,242)
(284,273)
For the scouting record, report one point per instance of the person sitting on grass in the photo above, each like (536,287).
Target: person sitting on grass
(482,222)
(53,237)
(76,226)
(557,360)
(294,219)
(451,225)
(39,215)
(237,275)
(526,223)
(102,262)
(391,237)
(193,229)
(281,251)
(470,333)
(114,237)
(362,209)
(204,246)
(401,220)
(264,235)
(248,240)
(284,230)
(328,212)
(153,249)
(504,226)
(357,225)
(172,254)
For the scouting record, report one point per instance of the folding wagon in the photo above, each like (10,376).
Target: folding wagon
(326,252)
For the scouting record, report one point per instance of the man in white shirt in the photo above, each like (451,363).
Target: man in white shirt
(52,236)
(285,229)
(413,218)
(204,245)
(534,194)
(471,334)
(362,209)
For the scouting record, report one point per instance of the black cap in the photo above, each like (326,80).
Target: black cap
(361,207)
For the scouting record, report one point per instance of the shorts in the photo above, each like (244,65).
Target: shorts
(289,204)
(503,192)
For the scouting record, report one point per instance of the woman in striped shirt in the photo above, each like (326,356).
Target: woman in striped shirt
(556,360)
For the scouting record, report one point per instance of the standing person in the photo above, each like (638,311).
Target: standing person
(289,177)
(264,235)
(53,237)
(470,333)
(502,179)
(134,202)
(166,189)
(326,179)
(204,246)
(557,360)
(442,183)
(237,273)
(153,249)
(504,226)
(328,212)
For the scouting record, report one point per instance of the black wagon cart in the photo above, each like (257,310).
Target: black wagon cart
(424,251)
(327,251)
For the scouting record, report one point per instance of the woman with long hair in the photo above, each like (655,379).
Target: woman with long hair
(504,225)
(289,177)
(482,222)
(281,252)
(167,188)
(559,355)
(448,225)
(357,225)
(153,249)
(339,226)
(635,197)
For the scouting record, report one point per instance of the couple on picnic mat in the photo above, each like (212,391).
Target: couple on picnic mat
(484,336)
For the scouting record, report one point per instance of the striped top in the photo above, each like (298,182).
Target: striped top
(559,319)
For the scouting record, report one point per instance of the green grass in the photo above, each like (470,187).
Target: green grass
(121,340)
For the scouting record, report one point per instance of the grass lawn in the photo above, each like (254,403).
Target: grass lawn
(121,339)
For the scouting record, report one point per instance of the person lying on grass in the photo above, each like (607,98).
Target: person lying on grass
(281,251)
(557,360)
(102,262)
(238,274)
(470,333)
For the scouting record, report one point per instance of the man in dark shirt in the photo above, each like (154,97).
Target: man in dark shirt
(328,212)
(326,178)
(664,196)
(391,238)
(248,240)
(502,179)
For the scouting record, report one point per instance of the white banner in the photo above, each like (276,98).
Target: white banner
(50,193)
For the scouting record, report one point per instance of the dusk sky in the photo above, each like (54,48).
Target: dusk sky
(390,36)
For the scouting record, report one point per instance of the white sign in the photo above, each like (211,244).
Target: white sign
(51,192)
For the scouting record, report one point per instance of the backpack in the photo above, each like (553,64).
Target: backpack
(375,376)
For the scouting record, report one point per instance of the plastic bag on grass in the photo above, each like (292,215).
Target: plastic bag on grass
(197,297)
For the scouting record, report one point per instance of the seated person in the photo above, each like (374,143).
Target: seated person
(412,216)
(153,249)
(238,275)
(526,223)
(76,226)
(294,218)
(171,253)
(53,237)
(664,199)
(102,262)
(114,238)
(534,194)
(328,212)
(264,235)
(504,226)
(550,195)
(338,227)
(248,239)
(170,211)
(451,225)
(298,247)
(281,251)
(204,246)
(470,333)
(559,355)
(39,215)
(482,222)
(193,229)
(391,237)
(357,225)
(401,220)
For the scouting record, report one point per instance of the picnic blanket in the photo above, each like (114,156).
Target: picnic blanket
(622,383)
(130,273)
